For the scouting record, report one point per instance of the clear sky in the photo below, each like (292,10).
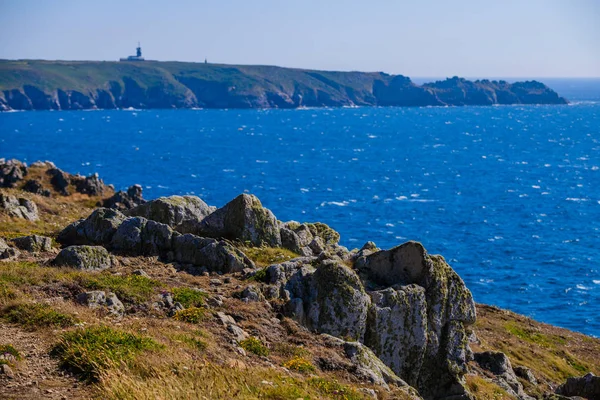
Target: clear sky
(472,38)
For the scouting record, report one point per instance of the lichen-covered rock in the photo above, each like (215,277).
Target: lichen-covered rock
(100,299)
(311,239)
(216,255)
(498,364)
(7,252)
(587,386)
(333,298)
(448,309)
(244,219)
(18,207)
(84,257)
(525,373)
(182,213)
(368,366)
(33,243)
(397,329)
(125,200)
(297,238)
(11,172)
(251,293)
(98,228)
(36,187)
(59,180)
(91,185)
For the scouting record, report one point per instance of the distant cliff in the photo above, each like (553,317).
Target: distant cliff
(76,85)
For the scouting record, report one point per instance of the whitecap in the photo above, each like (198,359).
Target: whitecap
(229,170)
(576,199)
(581,287)
(304,190)
(371,136)
(596,281)
(337,203)
(262,161)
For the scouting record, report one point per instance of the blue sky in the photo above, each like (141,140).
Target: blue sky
(473,38)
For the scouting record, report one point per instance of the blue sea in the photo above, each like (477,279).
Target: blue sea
(509,195)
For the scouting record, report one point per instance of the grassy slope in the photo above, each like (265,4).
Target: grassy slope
(86,76)
(198,358)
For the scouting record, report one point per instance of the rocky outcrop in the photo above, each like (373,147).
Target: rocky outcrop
(18,207)
(311,239)
(99,299)
(33,243)
(124,85)
(182,213)
(243,219)
(11,172)
(499,365)
(125,200)
(7,252)
(587,386)
(140,236)
(87,258)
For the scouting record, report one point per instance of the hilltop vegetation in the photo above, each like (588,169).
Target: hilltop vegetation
(287,314)
(68,85)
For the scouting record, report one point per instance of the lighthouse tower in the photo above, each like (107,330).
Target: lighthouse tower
(138,55)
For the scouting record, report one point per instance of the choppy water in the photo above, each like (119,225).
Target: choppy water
(509,195)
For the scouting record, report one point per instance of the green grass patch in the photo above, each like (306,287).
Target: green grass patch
(259,276)
(90,351)
(192,315)
(193,342)
(254,345)
(265,256)
(131,288)
(334,388)
(290,350)
(300,364)
(188,297)
(34,315)
(532,336)
(485,390)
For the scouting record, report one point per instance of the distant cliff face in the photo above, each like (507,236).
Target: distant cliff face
(77,85)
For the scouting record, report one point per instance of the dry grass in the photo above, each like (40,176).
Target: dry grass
(265,256)
(553,354)
(483,389)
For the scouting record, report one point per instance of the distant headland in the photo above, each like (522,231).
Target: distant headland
(81,85)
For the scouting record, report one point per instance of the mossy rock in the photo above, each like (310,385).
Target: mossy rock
(84,258)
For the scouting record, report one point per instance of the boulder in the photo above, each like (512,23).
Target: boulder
(166,303)
(525,373)
(59,180)
(441,306)
(7,252)
(11,172)
(36,187)
(33,243)
(215,255)
(125,200)
(91,185)
(251,293)
(333,299)
(498,364)
(244,219)
(84,257)
(182,213)
(98,228)
(18,207)
(100,299)
(311,239)
(587,386)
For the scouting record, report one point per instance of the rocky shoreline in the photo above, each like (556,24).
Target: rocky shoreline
(82,85)
(400,319)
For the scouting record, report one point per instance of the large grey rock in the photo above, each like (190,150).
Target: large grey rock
(215,255)
(587,386)
(100,299)
(126,200)
(244,219)
(498,364)
(397,329)
(11,172)
(182,213)
(310,239)
(7,252)
(18,207)
(33,243)
(59,180)
(91,185)
(98,228)
(333,299)
(441,307)
(84,257)
(36,187)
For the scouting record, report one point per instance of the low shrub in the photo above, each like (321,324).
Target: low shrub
(189,297)
(254,345)
(132,288)
(192,315)
(34,315)
(8,353)
(299,364)
(90,351)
